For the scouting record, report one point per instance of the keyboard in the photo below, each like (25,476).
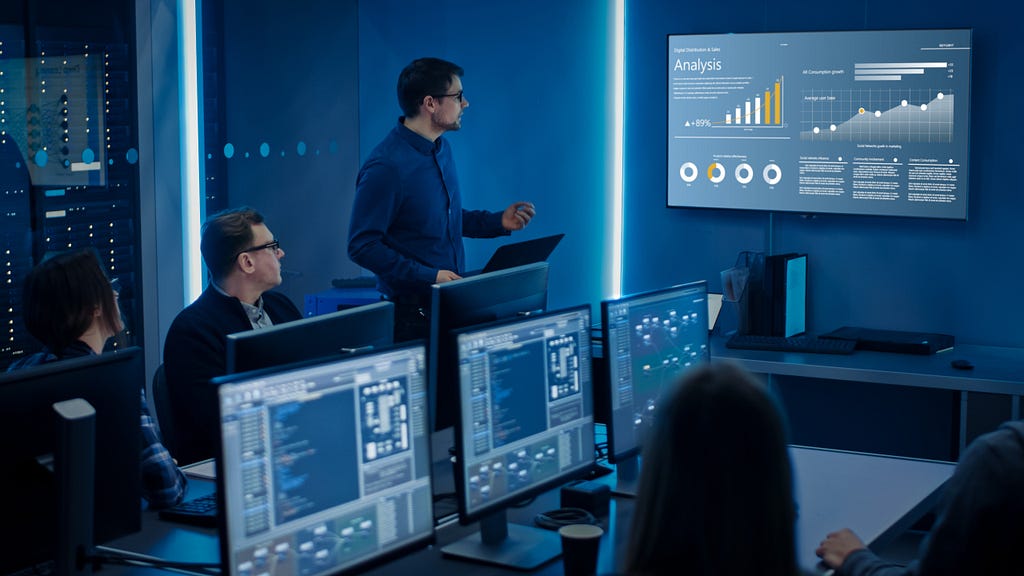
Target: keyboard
(791,344)
(199,511)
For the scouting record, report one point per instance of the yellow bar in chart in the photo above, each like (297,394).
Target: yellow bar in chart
(778,99)
(767,107)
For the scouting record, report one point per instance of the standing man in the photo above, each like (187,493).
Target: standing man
(407,220)
(244,261)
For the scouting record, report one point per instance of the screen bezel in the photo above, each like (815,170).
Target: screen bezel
(615,453)
(450,304)
(373,560)
(467,516)
(325,335)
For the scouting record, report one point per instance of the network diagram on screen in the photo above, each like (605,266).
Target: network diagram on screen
(856,122)
(325,466)
(652,338)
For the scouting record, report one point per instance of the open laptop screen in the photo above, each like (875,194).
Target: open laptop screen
(520,254)
(326,466)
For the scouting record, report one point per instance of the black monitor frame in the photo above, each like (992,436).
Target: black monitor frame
(346,331)
(111,383)
(418,421)
(625,445)
(508,293)
(558,344)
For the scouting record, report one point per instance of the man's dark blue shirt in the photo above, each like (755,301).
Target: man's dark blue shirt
(407,219)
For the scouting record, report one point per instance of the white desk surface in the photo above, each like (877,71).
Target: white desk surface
(878,497)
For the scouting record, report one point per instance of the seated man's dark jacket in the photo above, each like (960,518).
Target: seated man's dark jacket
(195,351)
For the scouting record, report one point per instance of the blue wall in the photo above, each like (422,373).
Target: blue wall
(898,273)
(537,80)
(290,77)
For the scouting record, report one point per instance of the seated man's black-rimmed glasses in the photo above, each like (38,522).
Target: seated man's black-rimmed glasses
(272,246)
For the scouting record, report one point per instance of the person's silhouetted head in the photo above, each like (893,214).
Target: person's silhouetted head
(715,494)
(66,296)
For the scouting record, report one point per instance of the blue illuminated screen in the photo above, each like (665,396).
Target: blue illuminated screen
(325,467)
(526,401)
(852,122)
(650,338)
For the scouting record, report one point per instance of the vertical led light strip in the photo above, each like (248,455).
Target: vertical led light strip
(619,33)
(189,75)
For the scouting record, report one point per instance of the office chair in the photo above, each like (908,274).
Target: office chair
(161,404)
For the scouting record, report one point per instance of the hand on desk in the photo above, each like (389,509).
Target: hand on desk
(837,546)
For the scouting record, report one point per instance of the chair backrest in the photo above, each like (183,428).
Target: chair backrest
(161,404)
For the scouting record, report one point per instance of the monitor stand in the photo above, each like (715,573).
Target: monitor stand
(627,476)
(443,475)
(510,545)
(74,466)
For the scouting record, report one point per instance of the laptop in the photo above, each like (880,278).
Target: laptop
(520,254)
(923,343)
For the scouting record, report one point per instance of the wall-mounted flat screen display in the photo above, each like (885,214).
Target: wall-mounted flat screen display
(848,122)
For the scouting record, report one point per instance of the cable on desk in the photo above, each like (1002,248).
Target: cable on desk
(555,519)
(523,503)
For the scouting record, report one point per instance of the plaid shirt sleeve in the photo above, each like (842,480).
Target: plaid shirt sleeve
(163,483)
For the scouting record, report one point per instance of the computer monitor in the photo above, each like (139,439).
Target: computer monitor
(507,293)
(342,332)
(649,339)
(110,382)
(324,466)
(526,425)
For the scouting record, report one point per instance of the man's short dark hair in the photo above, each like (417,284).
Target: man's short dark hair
(423,77)
(224,235)
(61,296)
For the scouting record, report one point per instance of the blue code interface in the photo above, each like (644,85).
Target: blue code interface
(526,404)
(328,466)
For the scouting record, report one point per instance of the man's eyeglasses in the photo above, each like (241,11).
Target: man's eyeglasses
(456,95)
(272,246)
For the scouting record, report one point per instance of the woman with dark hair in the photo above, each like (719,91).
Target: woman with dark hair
(71,307)
(716,492)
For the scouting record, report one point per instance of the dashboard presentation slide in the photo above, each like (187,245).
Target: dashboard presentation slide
(853,122)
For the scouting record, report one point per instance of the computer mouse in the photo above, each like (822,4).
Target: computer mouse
(961,364)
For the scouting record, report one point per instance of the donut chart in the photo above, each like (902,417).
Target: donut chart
(688,172)
(744,173)
(716,172)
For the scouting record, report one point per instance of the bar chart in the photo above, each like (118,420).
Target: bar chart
(765,110)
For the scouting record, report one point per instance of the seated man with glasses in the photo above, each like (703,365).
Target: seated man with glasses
(407,220)
(244,261)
